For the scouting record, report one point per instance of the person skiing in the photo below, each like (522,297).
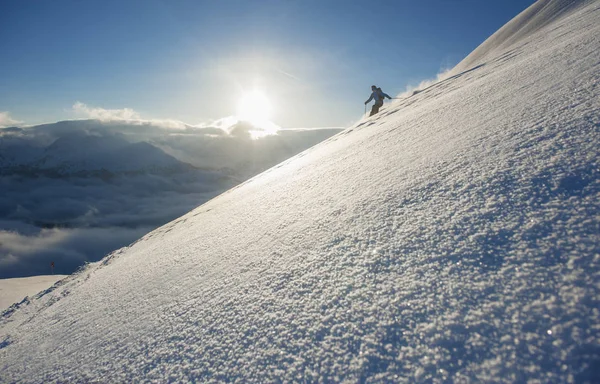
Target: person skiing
(378,96)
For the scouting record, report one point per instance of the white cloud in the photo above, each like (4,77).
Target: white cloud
(6,120)
(16,243)
(224,123)
(233,126)
(31,254)
(125,114)
(82,109)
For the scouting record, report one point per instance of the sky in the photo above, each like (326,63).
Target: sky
(192,61)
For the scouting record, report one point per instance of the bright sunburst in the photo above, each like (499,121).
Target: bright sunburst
(254,107)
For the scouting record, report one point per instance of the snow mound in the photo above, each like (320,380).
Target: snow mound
(531,21)
(453,237)
(17,289)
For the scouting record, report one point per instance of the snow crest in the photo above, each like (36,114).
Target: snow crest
(531,21)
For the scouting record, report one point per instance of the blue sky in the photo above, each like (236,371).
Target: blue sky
(192,60)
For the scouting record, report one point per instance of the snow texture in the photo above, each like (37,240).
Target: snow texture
(16,290)
(453,237)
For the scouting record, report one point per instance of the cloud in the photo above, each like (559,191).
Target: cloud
(229,125)
(14,243)
(124,114)
(7,121)
(235,127)
(67,248)
(102,114)
(222,124)
(74,218)
(287,74)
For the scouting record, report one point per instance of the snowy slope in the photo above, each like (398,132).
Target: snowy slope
(535,19)
(452,237)
(15,290)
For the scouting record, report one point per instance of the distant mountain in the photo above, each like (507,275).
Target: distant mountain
(84,153)
(111,153)
(77,147)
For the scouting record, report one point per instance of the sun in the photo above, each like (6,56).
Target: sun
(254,107)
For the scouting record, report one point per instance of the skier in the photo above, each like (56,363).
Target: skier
(379,96)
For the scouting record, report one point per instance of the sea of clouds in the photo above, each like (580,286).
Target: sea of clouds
(50,213)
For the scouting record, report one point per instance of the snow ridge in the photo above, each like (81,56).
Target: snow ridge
(531,21)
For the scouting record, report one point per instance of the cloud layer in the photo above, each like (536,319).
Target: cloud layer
(6,120)
(83,110)
(68,197)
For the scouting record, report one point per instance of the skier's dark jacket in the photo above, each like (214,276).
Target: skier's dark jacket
(377,95)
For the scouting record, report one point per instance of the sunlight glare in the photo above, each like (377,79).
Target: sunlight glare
(254,107)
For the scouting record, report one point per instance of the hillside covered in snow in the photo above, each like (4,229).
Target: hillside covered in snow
(17,289)
(453,237)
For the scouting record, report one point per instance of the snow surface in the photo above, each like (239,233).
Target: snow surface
(454,237)
(532,20)
(15,290)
